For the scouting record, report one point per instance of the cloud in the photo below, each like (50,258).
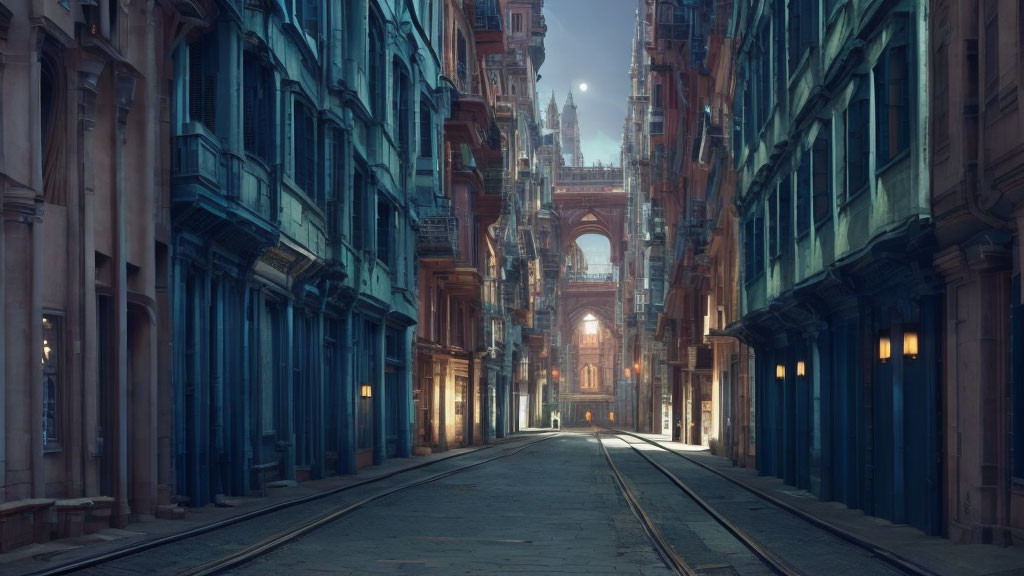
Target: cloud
(600,147)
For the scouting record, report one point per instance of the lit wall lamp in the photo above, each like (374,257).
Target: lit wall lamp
(554,373)
(884,346)
(636,368)
(780,372)
(366,391)
(625,373)
(801,368)
(910,344)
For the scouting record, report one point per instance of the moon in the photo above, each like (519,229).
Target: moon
(583,87)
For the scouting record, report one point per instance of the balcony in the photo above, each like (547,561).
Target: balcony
(593,277)
(487,26)
(438,235)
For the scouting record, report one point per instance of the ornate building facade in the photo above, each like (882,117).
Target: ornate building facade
(302,133)
(83,265)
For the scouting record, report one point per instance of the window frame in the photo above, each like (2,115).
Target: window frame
(305,130)
(859,133)
(892,121)
(56,371)
(823,140)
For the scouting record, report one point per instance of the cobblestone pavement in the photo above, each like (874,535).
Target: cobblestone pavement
(552,509)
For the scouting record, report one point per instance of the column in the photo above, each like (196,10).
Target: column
(405,407)
(379,399)
(347,442)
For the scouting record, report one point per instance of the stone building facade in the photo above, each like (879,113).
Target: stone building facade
(301,133)
(977,197)
(839,297)
(83,265)
(477,255)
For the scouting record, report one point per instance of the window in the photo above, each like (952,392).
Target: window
(304,147)
(785,215)
(822,167)
(803,195)
(307,14)
(764,76)
(656,96)
(462,68)
(52,385)
(359,193)
(588,377)
(400,108)
(386,232)
(753,244)
(517,23)
(336,195)
(53,127)
(991,49)
(773,223)
(259,95)
(857,143)
(202,82)
(426,130)
(892,95)
(803,29)
(376,66)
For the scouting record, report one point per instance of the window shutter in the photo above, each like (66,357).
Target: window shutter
(358,210)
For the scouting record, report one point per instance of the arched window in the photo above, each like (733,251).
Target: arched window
(588,377)
(591,330)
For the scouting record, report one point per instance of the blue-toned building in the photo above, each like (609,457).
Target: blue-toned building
(299,128)
(839,298)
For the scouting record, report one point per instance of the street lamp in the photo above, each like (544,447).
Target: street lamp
(636,396)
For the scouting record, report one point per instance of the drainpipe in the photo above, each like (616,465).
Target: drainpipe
(125,87)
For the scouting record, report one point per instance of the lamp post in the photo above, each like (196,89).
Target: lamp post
(636,396)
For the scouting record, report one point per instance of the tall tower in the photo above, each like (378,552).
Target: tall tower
(571,132)
(551,116)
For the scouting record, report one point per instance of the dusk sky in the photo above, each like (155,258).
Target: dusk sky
(589,41)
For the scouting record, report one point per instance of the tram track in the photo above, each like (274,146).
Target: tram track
(756,542)
(99,562)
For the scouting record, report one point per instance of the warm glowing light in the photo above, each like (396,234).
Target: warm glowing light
(588,416)
(884,347)
(366,391)
(780,372)
(584,87)
(625,372)
(611,416)
(910,344)
(636,367)
(801,368)
(554,373)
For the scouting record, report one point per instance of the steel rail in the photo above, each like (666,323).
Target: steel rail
(896,561)
(268,544)
(762,552)
(668,554)
(150,543)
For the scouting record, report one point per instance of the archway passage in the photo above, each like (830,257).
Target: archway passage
(591,209)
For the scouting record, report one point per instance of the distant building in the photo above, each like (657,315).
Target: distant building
(570,131)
